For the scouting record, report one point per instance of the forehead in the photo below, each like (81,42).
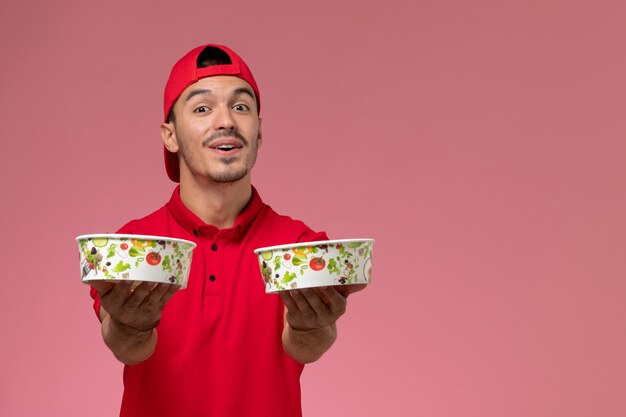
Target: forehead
(218,85)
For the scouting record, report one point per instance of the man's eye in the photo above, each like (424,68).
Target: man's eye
(240,107)
(201,109)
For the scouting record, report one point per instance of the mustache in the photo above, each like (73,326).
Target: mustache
(224,134)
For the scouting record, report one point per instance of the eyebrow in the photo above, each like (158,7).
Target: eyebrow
(206,91)
(244,90)
(198,92)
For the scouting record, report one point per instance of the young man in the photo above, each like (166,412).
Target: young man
(221,347)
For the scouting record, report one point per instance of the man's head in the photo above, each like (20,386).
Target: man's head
(208,61)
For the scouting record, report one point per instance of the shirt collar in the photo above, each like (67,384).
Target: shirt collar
(193,224)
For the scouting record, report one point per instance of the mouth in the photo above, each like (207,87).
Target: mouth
(226,145)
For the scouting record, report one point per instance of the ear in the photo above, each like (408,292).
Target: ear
(259,136)
(168,134)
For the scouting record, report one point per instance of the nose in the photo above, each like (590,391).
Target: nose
(225,119)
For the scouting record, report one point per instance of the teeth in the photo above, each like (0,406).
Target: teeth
(225,147)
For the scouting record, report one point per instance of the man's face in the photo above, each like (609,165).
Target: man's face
(217,131)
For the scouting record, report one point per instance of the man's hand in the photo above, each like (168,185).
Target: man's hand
(139,308)
(313,308)
(129,316)
(346,290)
(310,317)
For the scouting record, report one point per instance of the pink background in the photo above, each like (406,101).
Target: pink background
(480,143)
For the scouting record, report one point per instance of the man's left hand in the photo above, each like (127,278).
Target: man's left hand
(313,308)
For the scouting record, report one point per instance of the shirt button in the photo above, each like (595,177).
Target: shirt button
(214,247)
(212,278)
(195,232)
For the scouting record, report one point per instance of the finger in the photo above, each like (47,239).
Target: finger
(171,290)
(116,298)
(139,294)
(346,290)
(316,301)
(151,294)
(165,291)
(122,289)
(102,287)
(289,301)
(302,303)
(152,300)
(323,295)
(337,302)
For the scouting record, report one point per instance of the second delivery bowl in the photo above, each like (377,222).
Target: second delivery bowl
(316,264)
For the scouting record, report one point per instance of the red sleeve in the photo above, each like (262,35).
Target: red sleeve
(311,236)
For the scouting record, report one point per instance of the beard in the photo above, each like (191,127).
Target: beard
(226,171)
(228,175)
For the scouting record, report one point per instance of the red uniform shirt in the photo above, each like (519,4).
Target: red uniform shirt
(219,351)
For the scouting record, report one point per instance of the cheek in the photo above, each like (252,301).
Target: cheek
(188,137)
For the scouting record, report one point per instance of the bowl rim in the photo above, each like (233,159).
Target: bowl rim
(312,243)
(133,236)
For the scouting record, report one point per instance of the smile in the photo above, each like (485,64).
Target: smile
(226,145)
(226,148)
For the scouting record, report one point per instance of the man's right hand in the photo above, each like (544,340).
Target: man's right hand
(129,316)
(139,308)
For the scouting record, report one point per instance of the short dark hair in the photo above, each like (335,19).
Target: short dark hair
(209,57)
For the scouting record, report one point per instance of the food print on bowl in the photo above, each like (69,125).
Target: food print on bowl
(135,257)
(316,264)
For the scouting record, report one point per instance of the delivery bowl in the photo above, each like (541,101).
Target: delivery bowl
(134,258)
(316,264)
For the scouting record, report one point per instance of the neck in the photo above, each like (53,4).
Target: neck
(216,204)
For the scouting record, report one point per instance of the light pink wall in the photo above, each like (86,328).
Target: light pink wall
(480,143)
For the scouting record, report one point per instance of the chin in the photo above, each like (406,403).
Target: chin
(228,177)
